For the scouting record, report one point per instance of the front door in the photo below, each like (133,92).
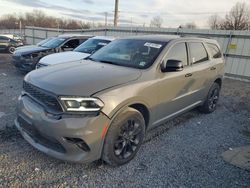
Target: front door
(175,88)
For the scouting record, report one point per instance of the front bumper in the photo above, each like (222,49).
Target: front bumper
(23,64)
(50,135)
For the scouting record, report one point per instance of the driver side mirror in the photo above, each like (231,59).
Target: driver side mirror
(172,65)
(66,48)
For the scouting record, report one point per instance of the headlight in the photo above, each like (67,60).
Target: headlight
(31,56)
(80,104)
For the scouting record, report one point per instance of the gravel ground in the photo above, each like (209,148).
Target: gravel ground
(185,152)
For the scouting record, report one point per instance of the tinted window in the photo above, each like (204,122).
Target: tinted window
(214,50)
(178,52)
(134,53)
(72,43)
(198,53)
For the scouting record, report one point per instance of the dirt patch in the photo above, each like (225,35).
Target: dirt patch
(239,157)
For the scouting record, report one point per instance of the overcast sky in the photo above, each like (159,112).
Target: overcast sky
(173,12)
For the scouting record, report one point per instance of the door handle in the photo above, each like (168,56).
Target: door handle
(188,74)
(212,68)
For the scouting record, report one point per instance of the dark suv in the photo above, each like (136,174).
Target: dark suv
(9,45)
(25,59)
(103,107)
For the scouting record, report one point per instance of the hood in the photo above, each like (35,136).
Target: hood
(29,50)
(27,46)
(62,57)
(82,78)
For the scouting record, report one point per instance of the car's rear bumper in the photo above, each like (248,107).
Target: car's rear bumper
(57,138)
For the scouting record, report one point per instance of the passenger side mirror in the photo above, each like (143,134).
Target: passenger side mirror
(172,65)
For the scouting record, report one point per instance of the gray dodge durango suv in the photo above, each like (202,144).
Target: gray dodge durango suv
(103,106)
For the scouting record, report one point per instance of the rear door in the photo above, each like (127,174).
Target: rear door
(201,66)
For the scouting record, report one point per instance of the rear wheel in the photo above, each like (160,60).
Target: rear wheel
(124,137)
(11,49)
(212,99)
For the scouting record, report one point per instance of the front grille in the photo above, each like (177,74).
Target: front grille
(42,96)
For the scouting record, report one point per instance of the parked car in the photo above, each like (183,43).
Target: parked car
(16,37)
(38,44)
(8,45)
(82,51)
(103,107)
(26,59)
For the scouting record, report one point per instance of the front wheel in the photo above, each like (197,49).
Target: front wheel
(212,99)
(124,137)
(11,49)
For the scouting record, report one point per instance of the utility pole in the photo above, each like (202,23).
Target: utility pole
(116,13)
(20,26)
(106,19)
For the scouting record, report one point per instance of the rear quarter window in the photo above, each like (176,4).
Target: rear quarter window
(214,50)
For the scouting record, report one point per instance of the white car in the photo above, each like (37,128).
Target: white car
(82,51)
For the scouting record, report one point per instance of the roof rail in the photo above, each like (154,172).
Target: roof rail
(193,35)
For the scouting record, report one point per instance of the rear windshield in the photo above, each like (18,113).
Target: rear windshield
(91,45)
(134,53)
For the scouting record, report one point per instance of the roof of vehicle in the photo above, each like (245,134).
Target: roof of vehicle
(167,38)
(110,38)
(160,38)
(71,35)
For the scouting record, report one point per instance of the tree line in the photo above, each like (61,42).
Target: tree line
(38,18)
(238,18)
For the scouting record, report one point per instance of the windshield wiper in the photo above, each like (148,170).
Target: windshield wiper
(108,62)
(101,61)
(89,58)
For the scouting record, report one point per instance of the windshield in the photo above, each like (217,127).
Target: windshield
(91,45)
(44,41)
(130,53)
(53,43)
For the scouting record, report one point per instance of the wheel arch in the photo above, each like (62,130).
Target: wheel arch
(143,110)
(218,81)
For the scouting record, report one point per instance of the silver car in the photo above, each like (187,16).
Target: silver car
(103,107)
(82,51)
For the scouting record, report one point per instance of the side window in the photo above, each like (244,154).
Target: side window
(178,52)
(198,53)
(4,39)
(214,50)
(72,43)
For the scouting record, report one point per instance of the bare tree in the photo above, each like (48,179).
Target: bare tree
(214,21)
(40,19)
(156,22)
(238,18)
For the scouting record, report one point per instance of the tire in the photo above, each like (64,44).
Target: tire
(124,137)
(210,104)
(11,49)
